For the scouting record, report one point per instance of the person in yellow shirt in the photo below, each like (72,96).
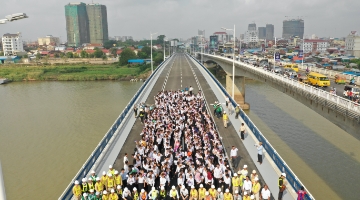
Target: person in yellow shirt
(111,170)
(193,193)
(119,191)
(135,193)
(202,191)
(105,196)
(228,195)
(117,178)
(103,179)
(99,186)
(256,188)
(113,195)
(77,190)
(212,192)
(246,196)
(235,183)
(110,182)
(252,176)
(91,184)
(225,119)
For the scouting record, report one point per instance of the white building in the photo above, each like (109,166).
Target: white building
(222,36)
(251,36)
(352,44)
(12,44)
(312,46)
(49,40)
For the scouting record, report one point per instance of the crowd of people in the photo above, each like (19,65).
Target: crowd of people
(179,156)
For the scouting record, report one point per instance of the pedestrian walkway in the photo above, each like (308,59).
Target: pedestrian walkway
(267,169)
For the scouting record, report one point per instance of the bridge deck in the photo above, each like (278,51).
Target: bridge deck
(180,76)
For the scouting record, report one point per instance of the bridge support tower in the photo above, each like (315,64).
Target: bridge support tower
(239,90)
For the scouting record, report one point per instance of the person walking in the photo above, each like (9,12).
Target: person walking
(260,149)
(191,90)
(237,111)
(142,115)
(235,183)
(256,189)
(282,186)
(265,193)
(227,100)
(301,193)
(242,131)
(135,110)
(225,119)
(233,155)
(77,191)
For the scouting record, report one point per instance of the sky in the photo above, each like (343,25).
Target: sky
(182,18)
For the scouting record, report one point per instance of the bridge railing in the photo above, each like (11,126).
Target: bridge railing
(89,163)
(293,180)
(351,108)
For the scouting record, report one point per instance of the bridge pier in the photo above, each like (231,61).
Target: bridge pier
(239,90)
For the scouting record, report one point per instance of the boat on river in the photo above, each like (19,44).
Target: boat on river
(3,80)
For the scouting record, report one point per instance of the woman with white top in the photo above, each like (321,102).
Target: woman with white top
(247,185)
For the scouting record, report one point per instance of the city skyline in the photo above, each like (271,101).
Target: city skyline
(184,17)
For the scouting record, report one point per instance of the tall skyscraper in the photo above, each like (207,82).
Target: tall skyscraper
(269,32)
(252,27)
(261,32)
(293,27)
(86,23)
(98,26)
(77,24)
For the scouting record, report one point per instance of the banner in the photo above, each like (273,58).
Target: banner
(172,43)
(213,42)
(300,54)
(277,56)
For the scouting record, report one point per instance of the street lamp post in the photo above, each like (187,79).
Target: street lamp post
(151,60)
(164,49)
(233,71)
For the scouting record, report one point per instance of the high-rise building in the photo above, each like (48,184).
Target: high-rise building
(252,27)
(352,44)
(12,44)
(77,24)
(292,28)
(261,32)
(98,26)
(86,23)
(269,32)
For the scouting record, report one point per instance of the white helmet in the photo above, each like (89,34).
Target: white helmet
(142,190)
(227,190)
(112,190)
(91,190)
(85,194)
(104,173)
(110,166)
(116,172)
(92,171)
(118,187)
(97,179)
(76,182)
(105,192)
(83,180)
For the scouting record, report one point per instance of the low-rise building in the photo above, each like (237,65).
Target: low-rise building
(12,44)
(352,44)
(312,46)
(49,39)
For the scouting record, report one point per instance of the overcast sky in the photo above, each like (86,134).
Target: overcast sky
(182,18)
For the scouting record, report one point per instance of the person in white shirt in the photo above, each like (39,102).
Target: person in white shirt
(233,155)
(191,90)
(184,193)
(260,152)
(218,174)
(265,193)
(126,158)
(247,186)
(227,182)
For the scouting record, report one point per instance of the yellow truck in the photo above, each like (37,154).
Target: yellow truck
(318,80)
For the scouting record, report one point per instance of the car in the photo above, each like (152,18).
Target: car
(354,89)
(289,72)
(275,69)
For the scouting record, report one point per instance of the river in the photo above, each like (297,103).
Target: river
(49,129)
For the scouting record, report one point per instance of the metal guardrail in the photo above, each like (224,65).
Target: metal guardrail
(340,102)
(88,165)
(280,163)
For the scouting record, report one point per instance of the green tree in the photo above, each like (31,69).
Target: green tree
(147,51)
(142,55)
(46,59)
(76,55)
(38,56)
(98,53)
(56,55)
(25,56)
(110,43)
(113,51)
(160,39)
(158,58)
(69,55)
(91,55)
(126,55)
(83,54)
(1,53)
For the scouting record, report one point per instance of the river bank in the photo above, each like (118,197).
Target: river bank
(75,72)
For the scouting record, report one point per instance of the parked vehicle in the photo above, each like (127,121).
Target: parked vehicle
(340,79)
(318,80)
